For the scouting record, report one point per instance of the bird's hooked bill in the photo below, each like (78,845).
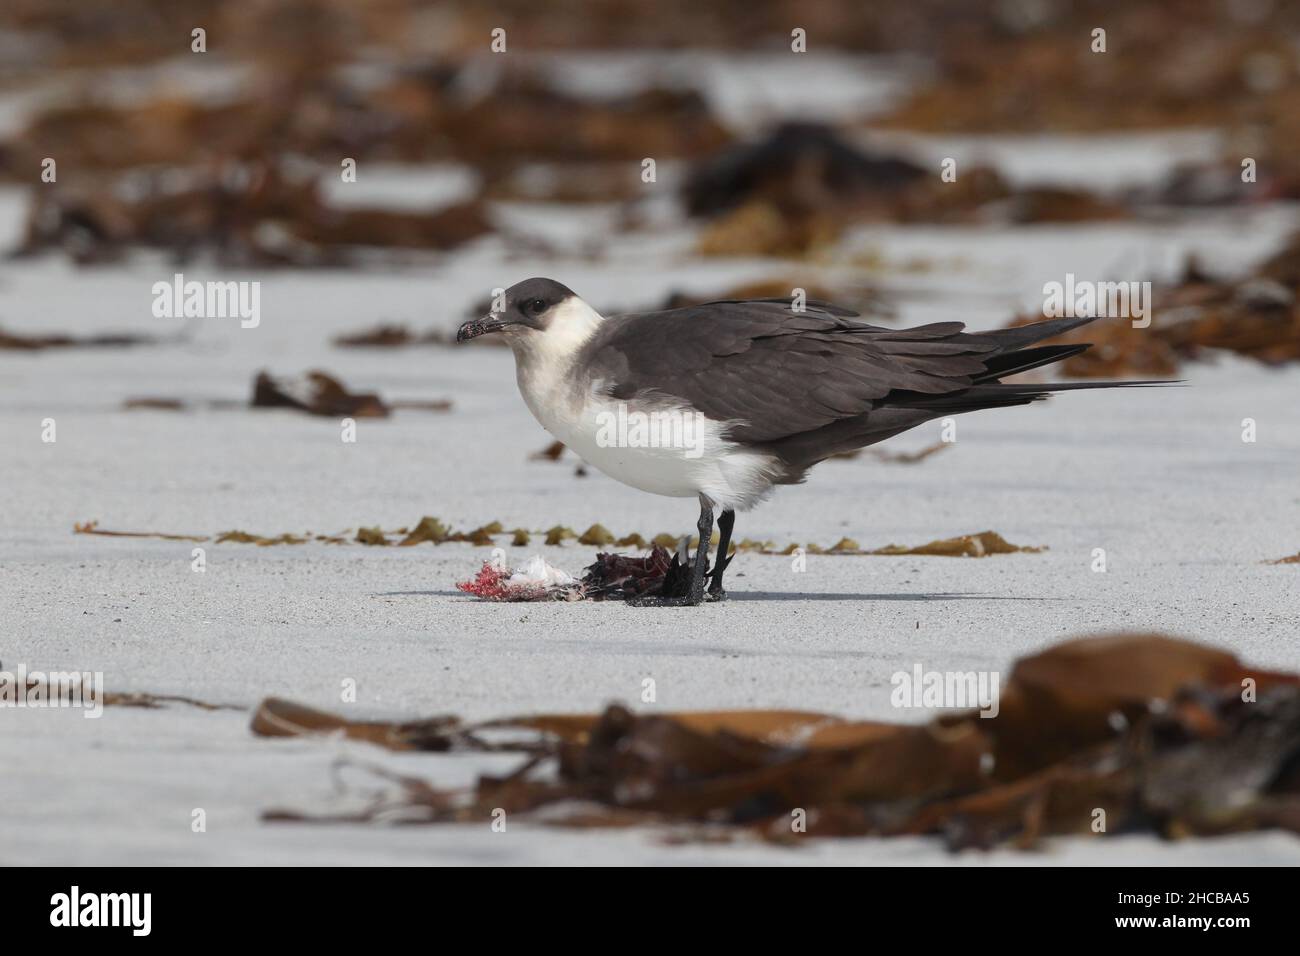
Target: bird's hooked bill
(476,327)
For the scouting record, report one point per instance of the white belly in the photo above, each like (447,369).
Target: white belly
(658,449)
(656,470)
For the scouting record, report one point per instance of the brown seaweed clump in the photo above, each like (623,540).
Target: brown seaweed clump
(1092,737)
(1256,316)
(316,393)
(247,213)
(796,189)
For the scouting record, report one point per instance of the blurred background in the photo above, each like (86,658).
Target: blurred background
(528,130)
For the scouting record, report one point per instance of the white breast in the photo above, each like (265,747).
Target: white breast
(656,448)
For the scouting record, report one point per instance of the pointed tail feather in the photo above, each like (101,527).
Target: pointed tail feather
(1020,336)
(1002,395)
(1012,363)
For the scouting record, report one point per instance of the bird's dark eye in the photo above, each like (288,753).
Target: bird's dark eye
(537,306)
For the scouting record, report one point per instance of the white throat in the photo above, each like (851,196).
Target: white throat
(543,359)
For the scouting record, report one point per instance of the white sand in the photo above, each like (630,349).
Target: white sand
(1158,478)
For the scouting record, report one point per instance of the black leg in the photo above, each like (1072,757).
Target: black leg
(705,527)
(726,521)
(695,590)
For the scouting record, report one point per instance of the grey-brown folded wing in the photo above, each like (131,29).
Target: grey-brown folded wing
(776,372)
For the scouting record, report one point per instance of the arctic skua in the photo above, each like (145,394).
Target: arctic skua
(724,401)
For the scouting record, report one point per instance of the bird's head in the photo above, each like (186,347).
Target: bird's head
(532,308)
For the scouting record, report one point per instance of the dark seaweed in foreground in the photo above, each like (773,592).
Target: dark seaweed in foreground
(1096,736)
